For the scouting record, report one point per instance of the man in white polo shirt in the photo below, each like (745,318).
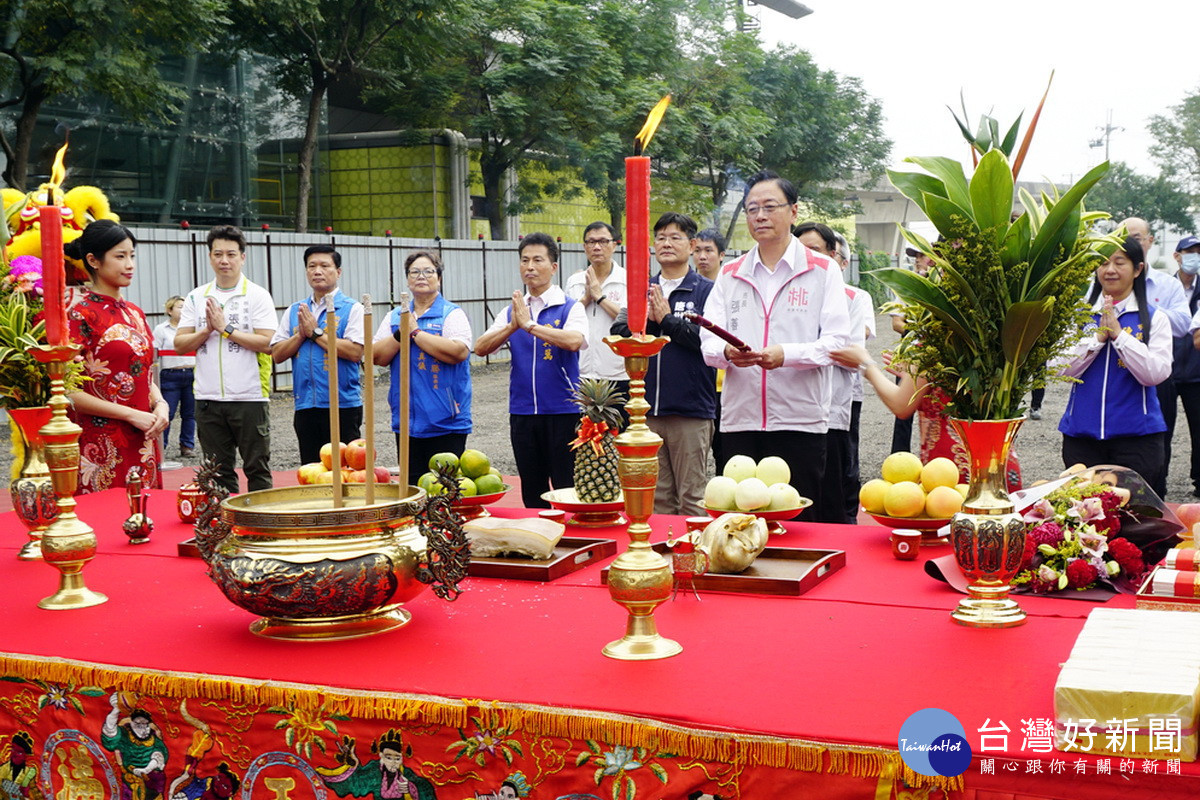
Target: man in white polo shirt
(229,324)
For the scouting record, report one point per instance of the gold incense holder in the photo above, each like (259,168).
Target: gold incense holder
(640,579)
(69,543)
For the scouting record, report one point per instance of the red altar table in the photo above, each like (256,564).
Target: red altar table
(771,697)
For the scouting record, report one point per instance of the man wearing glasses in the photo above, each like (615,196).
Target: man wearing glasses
(680,388)
(600,289)
(788,305)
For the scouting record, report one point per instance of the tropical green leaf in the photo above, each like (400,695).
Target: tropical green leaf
(582,758)
(598,775)
(950,172)
(1010,138)
(915,185)
(912,288)
(991,196)
(1013,249)
(1023,324)
(283,723)
(630,788)
(943,213)
(1043,247)
(515,745)
(659,772)
(75,704)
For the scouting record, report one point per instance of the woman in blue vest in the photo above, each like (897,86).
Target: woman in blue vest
(1112,415)
(439,370)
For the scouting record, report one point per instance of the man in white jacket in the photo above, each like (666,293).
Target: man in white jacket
(788,305)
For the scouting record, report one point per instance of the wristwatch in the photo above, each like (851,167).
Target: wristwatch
(318,333)
(528,326)
(229,329)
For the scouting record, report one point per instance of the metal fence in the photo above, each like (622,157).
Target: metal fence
(479,275)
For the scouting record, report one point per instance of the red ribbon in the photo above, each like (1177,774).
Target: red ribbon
(591,432)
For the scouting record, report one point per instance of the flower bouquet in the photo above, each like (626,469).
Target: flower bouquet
(1102,529)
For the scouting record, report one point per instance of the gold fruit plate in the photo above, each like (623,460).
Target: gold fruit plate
(586,515)
(773,517)
(473,507)
(928,526)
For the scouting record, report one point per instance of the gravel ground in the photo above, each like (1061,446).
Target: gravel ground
(1038,444)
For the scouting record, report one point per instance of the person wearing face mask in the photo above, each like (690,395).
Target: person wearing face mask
(1184,383)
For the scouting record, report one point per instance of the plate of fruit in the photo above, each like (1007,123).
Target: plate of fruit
(480,482)
(910,494)
(759,488)
(353,458)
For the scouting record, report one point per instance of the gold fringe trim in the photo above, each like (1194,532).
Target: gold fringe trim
(729,747)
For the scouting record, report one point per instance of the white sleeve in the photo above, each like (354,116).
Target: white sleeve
(1149,362)
(262,311)
(283,330)
(575,286)
(1075,361)
(577,322)
(458,328)
(354,325)
(187,314)
(501,321)
(1171,300)
(385,328)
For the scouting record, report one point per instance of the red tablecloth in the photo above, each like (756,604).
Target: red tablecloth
(846,663)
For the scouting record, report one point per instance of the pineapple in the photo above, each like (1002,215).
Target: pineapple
(596,478)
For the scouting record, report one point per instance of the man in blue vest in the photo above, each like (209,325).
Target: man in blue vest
(301,337)
(545,330)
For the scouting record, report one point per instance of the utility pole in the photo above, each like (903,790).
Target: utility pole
(1107,131)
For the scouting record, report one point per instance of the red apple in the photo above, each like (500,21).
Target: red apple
(324,476)
(356,454)
(308,473)
(1189,515)
(327,455)
(382,475)
(358,476)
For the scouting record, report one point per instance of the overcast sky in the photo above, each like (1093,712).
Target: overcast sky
(1137,59)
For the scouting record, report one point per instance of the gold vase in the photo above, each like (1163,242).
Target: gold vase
(640,579)
(988,535)
(32,489)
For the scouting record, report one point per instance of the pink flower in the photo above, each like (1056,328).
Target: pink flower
(1038,512)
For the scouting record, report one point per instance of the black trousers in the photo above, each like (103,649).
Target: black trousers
(1142,454)
(1169,392)
(804,454)
(541,445)
(312,429)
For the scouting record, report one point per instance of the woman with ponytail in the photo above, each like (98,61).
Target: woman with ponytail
(121,410)
(1113,415)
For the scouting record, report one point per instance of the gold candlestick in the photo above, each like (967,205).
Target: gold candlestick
(69,543)
(640,579)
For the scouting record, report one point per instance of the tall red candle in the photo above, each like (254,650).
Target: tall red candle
(637,239)
(54,278)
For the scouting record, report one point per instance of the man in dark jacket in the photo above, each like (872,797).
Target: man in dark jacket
(680,387)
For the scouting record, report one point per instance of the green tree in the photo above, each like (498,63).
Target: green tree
(74,48)
(521,77)
(1177,141)
(826,131)
(1124,193)
(319,42)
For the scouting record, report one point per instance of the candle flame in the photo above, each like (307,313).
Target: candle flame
(58,172)
(655,116)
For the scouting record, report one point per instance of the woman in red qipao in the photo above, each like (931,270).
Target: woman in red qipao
(120,409)
(916,395)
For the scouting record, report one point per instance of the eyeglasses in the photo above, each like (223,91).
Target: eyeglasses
(767,208)
(422,273)
(597,242)
(674,238)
